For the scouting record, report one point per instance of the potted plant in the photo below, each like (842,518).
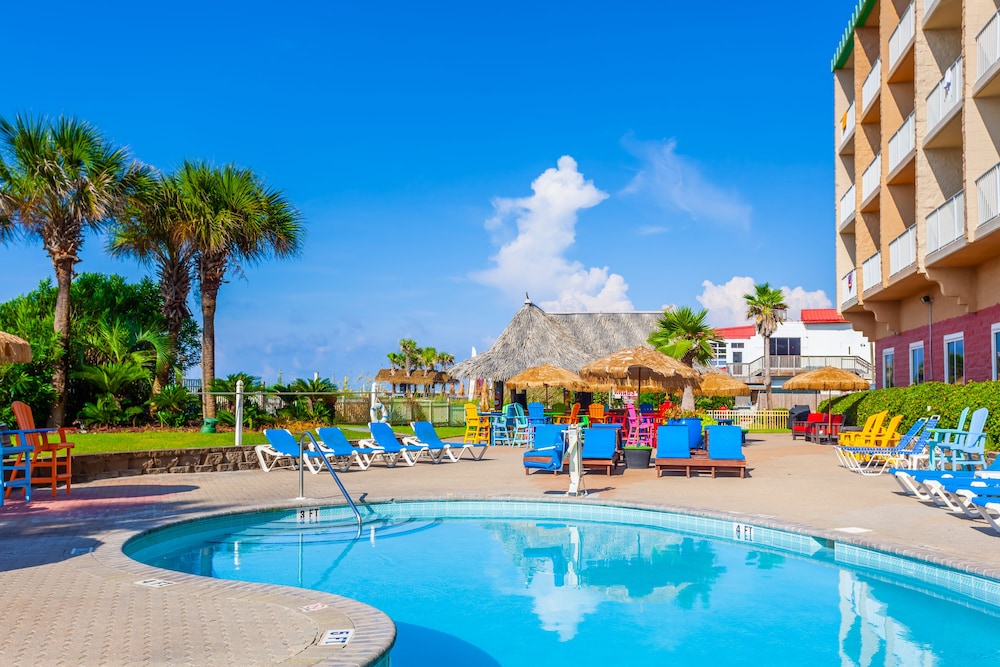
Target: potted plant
(637,456)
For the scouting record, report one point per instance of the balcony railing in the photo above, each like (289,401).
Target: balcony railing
(784,365)
(988,46)
(901,36)
(902,142)
(848,205)
(988,188)
(871,272)
(947,95)
(946,223)
(903,251)
(872,178)
(847,124)
(871,85)
(848,287)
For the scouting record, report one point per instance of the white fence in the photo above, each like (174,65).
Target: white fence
(870,88)
(871,272)
(945,96)
(903,251)
(988,46)
(902,142)
(989,194)
(946,223)
(902,36)
(872,178)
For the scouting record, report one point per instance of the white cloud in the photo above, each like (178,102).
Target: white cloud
(727,307)
(534,234)
(676,182)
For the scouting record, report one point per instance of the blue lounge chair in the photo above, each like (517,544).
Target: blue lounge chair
(283,443)
(876,460)
(673,449)
(392,449)
(600,448)
(334,444)
(547,449)
(437,449)
(913,482)
(725,449)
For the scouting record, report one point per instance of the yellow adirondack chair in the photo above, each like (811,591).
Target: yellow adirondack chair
(861,438)
(477,427)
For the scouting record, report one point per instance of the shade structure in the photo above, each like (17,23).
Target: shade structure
(828,378)
(639,367)
(548,375)
(14,350)
(721,384)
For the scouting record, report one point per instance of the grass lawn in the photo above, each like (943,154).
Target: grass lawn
(136,441)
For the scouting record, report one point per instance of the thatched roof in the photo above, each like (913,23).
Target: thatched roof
(416,377)
(566,340)
(14,350)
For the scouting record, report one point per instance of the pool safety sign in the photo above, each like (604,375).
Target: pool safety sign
(336,637)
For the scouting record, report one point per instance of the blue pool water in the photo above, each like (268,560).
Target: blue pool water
(571,587)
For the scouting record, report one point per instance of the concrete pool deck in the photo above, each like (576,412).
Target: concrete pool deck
(72,597)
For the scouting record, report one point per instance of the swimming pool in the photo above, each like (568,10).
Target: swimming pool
(524,583)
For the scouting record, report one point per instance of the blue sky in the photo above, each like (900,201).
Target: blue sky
(448,157)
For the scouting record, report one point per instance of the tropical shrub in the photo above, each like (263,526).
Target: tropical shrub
(175,406)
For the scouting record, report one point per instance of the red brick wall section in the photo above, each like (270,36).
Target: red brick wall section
(978,349)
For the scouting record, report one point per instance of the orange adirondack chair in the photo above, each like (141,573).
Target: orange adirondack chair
(48,466)
(596,411)
(572,418)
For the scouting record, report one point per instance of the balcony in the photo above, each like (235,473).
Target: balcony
(871,272)
(871,87)
(848,288)
(847,124)
(943,106)
(786,365)
(988,191)
(988,58)
(871,180)
(902,147)
(902,38)
(942,14)
(903,251)
(946,223)
(848,207)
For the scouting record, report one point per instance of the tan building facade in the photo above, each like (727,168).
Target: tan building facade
(917,144)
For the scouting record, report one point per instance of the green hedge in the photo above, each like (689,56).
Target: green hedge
(923,400)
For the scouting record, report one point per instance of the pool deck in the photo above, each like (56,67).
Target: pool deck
(72,597)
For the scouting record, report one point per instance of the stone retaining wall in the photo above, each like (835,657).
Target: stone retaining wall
(88,467)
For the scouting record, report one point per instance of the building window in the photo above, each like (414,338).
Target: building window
(916,362)
(786,347)
(995,342)
(954,359)
(888,367)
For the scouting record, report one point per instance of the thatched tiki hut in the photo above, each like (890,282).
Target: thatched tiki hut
(567,340)
(426,379)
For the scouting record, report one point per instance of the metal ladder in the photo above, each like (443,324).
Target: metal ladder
(333,473)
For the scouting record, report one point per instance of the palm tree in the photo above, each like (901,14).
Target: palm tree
(411,354)
(766,307)
(396,360)
(57,180)
(157,232)
(428,357)
(685,335)
(236,219)
(445,360)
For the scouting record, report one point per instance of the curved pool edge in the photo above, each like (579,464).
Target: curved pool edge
(375,632)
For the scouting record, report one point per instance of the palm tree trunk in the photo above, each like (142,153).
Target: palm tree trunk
(767,372)
(687,400)
(61,324)
(208,305)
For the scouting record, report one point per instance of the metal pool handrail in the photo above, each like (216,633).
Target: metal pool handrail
(333,473)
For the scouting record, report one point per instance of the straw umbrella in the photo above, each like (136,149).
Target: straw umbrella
(14,350)
(547,376)
(638,366)
(828,378)
(721,384)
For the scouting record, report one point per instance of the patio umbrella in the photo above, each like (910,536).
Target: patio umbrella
(828,378)
(548,375)
(721,384)
(14,350)
(639,366)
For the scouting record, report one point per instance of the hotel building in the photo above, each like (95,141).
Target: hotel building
(917,144)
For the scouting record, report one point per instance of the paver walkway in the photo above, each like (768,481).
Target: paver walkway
(71,597)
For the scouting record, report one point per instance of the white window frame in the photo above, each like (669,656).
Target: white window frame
(919,345)
(952,338)
(994,331)
(889,351)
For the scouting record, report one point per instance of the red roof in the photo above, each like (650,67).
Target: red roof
(821,316)
(730,333)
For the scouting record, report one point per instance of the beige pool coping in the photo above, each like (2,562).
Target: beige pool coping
(73,597)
